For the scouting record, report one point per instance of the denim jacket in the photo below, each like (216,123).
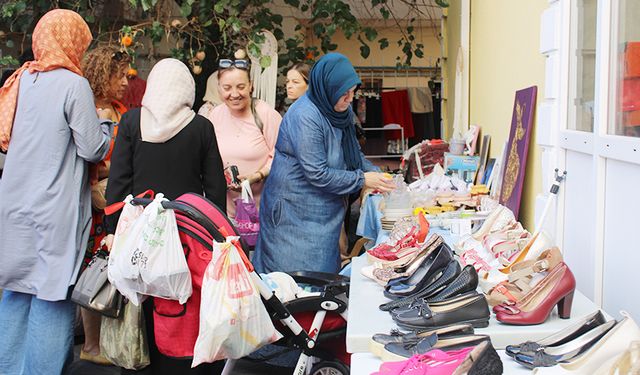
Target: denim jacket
(304,197)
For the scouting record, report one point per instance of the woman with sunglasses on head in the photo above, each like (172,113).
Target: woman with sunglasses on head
(106,70)
(164,146)
(50,131)
(317,165)
(246,129)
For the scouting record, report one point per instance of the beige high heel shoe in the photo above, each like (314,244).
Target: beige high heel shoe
(610,345)
(627,363)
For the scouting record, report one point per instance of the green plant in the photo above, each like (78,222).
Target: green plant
(218,26)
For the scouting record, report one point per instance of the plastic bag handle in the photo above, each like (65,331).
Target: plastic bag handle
(247,194)
(113,208)
(245,260)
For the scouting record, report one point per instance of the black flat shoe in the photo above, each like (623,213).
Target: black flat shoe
(448,275)
(467,308)
(482,360)
(379,340)
(581,327)
(429,271)
(466,281)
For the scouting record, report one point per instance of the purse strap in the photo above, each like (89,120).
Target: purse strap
(259,123)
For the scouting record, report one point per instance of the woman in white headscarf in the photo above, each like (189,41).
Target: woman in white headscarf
(211,97)
(166,147)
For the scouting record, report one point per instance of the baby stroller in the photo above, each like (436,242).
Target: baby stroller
(314,324)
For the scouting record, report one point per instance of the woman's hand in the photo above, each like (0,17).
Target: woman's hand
(378,181)
(253,178)
(105,113)
(108,241)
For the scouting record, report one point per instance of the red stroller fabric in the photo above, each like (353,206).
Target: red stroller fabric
(176,326)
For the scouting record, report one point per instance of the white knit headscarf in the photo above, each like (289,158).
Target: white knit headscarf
(167,102)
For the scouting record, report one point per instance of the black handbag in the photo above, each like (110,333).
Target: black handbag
(93,290)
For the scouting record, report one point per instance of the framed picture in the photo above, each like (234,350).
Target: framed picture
(517,148)
(484,153)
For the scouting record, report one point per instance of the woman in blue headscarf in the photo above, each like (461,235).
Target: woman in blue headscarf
(317,164)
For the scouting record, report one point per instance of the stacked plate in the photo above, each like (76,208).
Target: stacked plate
(391,215)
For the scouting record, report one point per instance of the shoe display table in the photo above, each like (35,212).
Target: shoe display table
(366,319)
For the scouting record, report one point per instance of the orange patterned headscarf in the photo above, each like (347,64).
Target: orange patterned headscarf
(60,39)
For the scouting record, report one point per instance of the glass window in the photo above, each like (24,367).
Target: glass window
(626,69)
(583,65)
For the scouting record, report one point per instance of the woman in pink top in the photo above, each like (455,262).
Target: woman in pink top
(246,137)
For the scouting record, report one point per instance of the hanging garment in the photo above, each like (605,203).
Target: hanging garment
(361,110)
(420,99)
(397,110)
(135,91)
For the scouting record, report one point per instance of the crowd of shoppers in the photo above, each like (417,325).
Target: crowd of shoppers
(72,148)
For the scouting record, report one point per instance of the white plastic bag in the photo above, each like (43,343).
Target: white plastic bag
(120,271)
(149,258)
(159,255)
(233,320)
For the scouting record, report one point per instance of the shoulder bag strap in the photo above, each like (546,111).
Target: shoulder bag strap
(259,123)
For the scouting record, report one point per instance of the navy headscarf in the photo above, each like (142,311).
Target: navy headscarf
(331,77)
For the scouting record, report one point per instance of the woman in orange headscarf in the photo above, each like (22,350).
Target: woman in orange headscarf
(49,126)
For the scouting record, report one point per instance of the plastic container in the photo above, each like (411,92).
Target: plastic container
(456,146)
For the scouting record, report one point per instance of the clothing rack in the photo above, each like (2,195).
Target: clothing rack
(432,72)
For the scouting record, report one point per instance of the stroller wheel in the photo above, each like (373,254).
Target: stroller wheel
(330,368)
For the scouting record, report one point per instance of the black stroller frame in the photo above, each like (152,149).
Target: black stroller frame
(333,298)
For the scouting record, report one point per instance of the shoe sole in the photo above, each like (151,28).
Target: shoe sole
(476,323)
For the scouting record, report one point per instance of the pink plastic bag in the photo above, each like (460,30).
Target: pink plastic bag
(247,217)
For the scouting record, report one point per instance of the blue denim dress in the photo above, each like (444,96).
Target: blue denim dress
(304,199)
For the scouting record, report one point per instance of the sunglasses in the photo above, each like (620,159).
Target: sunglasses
(120,56)
(228,63)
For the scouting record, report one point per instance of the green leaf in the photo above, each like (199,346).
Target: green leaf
(365,50)
(221,23)
(9,61)
(294,3)
(442,3)
(277,19)
(298,27)
(370,33)
(185,9)
(410,29)
(384,43)
(419,53)
(265,61)
(385,13)
(318,29)
(133,3)
(254,49)
(304,8)
(146,5)
(90,18)
(218,7)
(279,34)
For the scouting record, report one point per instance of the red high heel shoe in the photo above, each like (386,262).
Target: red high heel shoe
(556,288)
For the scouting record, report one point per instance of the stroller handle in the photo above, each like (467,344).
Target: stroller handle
(187,211)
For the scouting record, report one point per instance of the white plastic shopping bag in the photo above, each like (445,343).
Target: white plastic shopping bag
(149,258)
(233,320)
(159,255)
(120,271)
